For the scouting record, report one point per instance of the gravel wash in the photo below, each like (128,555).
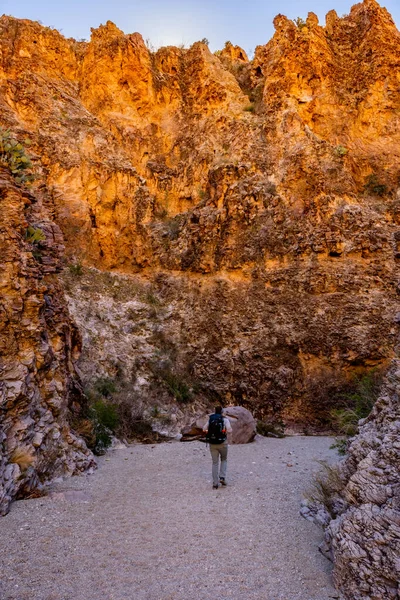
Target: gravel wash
(147,525)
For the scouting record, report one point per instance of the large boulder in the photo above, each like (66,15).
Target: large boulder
(243,424)
(241,419)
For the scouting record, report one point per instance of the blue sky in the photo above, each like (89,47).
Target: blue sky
(166,22)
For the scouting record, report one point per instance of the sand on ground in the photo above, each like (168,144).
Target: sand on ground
(147,525)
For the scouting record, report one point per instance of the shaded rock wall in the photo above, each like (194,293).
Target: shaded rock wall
(38,343)
(365,536)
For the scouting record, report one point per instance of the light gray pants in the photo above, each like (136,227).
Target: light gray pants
(219,450)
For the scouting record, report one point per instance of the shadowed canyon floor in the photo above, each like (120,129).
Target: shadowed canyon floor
(148,526)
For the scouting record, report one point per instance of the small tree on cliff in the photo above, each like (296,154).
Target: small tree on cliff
(300,22)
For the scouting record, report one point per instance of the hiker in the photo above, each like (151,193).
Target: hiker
(216,429)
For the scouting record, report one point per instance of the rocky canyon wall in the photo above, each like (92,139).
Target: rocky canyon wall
(248,210)
(362,516)
(39,389)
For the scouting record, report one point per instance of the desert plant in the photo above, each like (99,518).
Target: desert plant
(76,269)
(34,235)
(176,383)
(23,457)
(155,412)
(104,417)
(114,410)
(102,413)
(133,425)
(341,151)
(340,444)
(374,186)
(152,299)
(300,22)
(12,155)
(358,403)
(205,41)
(327,483)
(202,194)
(249,108)
(160,212)
(177,386)
(345,420)
(105,386)
(150,47)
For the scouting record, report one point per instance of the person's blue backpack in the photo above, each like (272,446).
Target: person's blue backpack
(216,430)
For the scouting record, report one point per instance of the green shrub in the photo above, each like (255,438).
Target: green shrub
(76,269)
(345,421)
(155,412)
(132,424)
(205,41)
(249,108)
(114,410)
(152,299)
(300,22)
(177,387)
(358,404)
(37,255)
(106,414)
(374,186)
(34,235)
(340,445)
(201,194)
(13,156)
(341,151)
(176,383)
(105,386)
(105,420)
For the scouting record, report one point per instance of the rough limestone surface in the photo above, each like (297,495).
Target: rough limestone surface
(37,345)
(363,535)
(260,199)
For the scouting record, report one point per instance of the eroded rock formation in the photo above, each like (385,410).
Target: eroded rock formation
(363,535)
(258,201)
(38,387)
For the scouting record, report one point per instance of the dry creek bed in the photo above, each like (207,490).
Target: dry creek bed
(148,526)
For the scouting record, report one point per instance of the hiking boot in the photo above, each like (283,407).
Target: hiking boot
(222,481)
(215,487)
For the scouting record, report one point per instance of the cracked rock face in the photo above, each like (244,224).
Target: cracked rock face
(361,516)
(259,200)
(365,536)
(38,342)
